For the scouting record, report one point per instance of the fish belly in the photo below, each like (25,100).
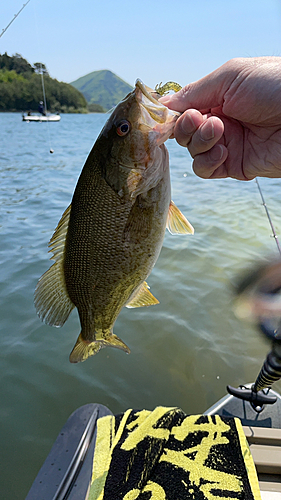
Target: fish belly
(111,248)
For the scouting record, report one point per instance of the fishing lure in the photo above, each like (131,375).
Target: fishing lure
(164,89)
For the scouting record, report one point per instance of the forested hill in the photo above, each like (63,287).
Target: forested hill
(21,88)
(103,88)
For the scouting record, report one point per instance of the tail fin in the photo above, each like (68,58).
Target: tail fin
(84,349)
(113,341)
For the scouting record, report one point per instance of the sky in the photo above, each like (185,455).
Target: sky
(180,40)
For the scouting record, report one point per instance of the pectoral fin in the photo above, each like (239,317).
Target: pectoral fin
(133,181)
(51,298)
(176,222)
(143,297)
(140,222)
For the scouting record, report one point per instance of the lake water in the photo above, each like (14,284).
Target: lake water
(184,351)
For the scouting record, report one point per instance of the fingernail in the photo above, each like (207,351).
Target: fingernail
(216,153)
(207,130)
(187,124)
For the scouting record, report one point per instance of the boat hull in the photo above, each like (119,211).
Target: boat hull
(67,470)
(38,118)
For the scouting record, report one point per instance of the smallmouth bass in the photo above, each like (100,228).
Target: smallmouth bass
(110,236)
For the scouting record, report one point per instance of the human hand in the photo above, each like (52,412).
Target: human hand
(231,121)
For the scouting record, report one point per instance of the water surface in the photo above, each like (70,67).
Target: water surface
(183,351)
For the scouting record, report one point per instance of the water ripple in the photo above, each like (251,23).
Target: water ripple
(184,350)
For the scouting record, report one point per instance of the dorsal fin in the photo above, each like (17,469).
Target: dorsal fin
(143,297)
(51,298)
(57,242)
(176,221)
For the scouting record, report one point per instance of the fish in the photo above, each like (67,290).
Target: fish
(110,236)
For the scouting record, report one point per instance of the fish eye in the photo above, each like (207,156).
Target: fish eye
(123,127)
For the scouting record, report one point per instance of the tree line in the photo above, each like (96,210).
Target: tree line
(21,88)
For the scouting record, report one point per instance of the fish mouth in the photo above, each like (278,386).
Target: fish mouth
(154,114)
(145,91)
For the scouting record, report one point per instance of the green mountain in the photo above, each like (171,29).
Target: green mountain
(21,88)
(103,88)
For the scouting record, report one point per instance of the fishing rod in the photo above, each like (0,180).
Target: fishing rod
(41,71)
(267,283)
(268,216)
(16,15)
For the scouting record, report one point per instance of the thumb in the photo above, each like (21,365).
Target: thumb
(204,94)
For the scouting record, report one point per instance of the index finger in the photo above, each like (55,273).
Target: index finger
(208,92)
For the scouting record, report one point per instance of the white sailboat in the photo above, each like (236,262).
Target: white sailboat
(28,117)
(42,115)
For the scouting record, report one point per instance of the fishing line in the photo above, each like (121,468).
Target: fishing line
(16,15)
(45,107)
(42,81)
(268,216)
